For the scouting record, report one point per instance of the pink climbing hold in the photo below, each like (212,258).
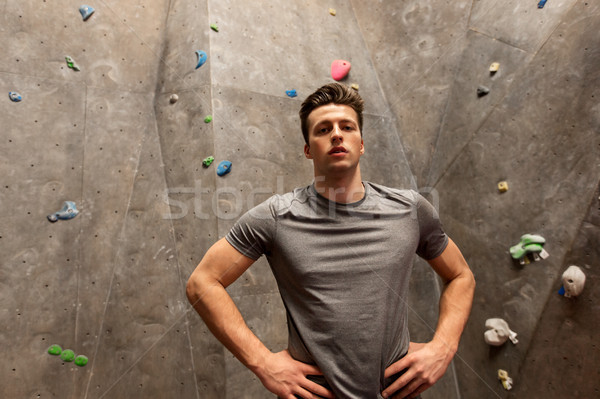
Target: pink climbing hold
(339,69)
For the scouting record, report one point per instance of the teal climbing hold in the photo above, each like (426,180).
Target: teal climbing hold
(68,211)
(291,93)
(81,360)
(86,11)
(55,350)
(67,355)
(202,57)
(14,96)
(223,168)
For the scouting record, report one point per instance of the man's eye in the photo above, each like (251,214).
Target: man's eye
(323,130)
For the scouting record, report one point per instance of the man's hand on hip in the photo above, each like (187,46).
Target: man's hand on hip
(286,377)
(424,365)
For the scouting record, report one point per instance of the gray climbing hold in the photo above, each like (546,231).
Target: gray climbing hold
(202,57)
(173,99)
(71,64)
(223,168)
(68,211)
(86,11)
(14,96)
(482,91)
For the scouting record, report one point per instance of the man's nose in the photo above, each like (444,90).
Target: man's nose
(336,134)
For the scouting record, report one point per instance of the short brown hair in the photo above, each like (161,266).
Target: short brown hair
(333,93)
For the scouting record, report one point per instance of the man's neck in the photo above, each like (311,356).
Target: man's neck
(343,189)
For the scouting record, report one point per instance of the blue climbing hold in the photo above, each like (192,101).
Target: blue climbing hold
(14,96)
(561,291)
(68,211)
(223,168)
(201,58)
(291,93)
(86,11)
(542,3)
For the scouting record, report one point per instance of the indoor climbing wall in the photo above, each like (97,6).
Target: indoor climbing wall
(119,117)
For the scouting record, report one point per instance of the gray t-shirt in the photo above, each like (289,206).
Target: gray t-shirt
(343,272)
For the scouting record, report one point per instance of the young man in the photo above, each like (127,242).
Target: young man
(341,251)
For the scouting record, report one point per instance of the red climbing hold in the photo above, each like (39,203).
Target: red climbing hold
(339,69)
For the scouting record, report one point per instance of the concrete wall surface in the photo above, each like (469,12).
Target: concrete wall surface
(110,283)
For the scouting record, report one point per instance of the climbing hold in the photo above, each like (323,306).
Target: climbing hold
(208,161)
(67,355)
(214,27)
(291,93)
(482,91)
(86,11)
(201,58)
(573,281)
(223,168)
(339,69)
(506,380)
(55,350)
(494,67)
(71,64)
(542,3)
(208,119)
(354,86)
(503,186)
(332,11)
(173,99)
(81,360)
(68,211)
(14,96)
(498,333)
(529,245)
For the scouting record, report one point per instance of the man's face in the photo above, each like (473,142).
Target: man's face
(334,141)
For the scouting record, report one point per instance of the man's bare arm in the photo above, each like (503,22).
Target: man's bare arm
(425,364)
(278,372)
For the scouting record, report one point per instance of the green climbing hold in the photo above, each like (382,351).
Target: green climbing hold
(55,350)
(67,355)
(208,119)
(208,161)
(81,360)
(214,27)
(71,64)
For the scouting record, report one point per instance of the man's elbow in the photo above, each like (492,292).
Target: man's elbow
(470,278)
(193,288)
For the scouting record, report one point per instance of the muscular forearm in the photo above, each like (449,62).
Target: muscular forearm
(455,306)
(221,315)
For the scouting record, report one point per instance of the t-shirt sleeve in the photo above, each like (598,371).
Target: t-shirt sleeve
(432,238)
(253,233)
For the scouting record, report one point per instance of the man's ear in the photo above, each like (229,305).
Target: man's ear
(307,152)
(362,147)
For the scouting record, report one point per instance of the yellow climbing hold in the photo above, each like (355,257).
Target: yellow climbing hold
(332,11)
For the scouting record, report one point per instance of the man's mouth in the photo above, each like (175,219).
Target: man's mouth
(337,150)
